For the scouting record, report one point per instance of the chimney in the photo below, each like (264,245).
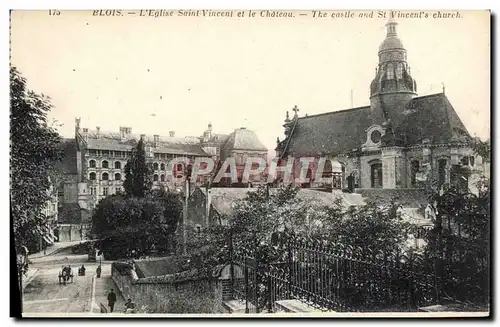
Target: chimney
(85,133)
(98,134)
(156,140)
(122,133)
(77,124)
(171,133)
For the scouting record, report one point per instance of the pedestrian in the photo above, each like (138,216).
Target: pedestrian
(111,300)
(98,271)
(350,183)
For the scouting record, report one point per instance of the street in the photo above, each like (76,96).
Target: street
(44,294)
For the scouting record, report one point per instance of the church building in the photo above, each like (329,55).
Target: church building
(399,141)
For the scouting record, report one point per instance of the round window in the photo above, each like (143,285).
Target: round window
(376,136)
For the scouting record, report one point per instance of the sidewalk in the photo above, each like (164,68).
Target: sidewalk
(53,249)
(100,295)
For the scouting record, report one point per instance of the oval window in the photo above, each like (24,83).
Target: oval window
(376,136)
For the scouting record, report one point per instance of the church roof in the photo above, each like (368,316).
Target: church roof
(432,117)
(428,117)
(243,139)
(332,132)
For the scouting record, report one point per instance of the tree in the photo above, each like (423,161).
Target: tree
(34,150)
(143,225)
(459,242)
(137,171)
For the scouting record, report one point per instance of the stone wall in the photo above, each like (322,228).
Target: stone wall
(71,232)
(176,293)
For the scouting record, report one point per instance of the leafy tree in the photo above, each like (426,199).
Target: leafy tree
(34,150)
(459,243)
(132,226)
(137,171)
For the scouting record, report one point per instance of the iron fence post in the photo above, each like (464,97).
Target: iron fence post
(290,266)
(231,266)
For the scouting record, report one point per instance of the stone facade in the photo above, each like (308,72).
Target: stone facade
(94,164)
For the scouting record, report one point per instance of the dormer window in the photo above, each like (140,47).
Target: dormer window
(373,137)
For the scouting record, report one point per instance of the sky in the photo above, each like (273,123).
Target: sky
(180,73)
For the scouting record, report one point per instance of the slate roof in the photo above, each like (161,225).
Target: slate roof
(188,145)
(224,197)
(243,139)
(427,117)
(432,117)
(332,132)
(156,267)
(68,163)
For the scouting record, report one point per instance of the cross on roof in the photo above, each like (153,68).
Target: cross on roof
(296,110)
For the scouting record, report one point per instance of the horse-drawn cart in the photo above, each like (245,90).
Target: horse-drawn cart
(65,275)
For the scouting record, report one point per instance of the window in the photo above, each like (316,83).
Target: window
(105,164)
(105,176)
(415,166)
(155,178)
(162,166)
(162,178)
(104,191)
(179,167)
(399,71)
(118,177)
(155,166)
(118,165)
(376,175)
(93,191)
(390,71)
(92,163)
(375,136)
(92,176)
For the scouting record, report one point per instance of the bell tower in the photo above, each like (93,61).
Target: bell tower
(393,87)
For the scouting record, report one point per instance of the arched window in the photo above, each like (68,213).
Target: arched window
(390,71)
(162,178)
(162,166)
(155,178)
(92,163)
(415,166)
(118,177)
(105,164)
(105,176)
(92,176)
(118,165)
(155,166)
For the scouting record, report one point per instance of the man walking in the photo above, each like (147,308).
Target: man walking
(111,300)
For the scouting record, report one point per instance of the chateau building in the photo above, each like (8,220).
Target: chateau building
(94,166)
(399,141)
